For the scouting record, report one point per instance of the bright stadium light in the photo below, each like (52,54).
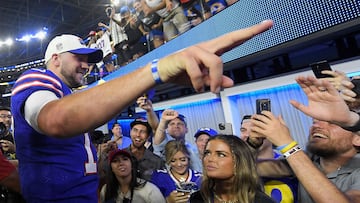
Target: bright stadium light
(115,2)
(9,42)
(40,35)
(24,38)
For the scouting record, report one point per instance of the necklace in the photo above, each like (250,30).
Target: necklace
(223,201)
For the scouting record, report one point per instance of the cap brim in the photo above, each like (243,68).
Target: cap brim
(94,55)
(118,152)
(200,133)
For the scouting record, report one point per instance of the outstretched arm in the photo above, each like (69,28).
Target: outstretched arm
(319,187)
(199,65)
(146,104)
(166,116)
(325,102)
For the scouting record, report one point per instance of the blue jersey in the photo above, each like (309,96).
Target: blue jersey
(167,183)
(51,169)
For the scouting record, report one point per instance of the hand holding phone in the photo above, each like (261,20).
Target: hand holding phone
(318,67)
(356,88)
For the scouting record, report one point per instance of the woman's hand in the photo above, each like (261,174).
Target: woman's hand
(178,197)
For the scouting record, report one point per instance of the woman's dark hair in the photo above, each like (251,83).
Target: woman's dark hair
(113,185)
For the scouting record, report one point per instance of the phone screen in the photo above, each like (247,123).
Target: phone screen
(263,105)
(320,66)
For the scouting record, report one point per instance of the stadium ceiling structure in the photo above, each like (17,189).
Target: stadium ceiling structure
(21,17)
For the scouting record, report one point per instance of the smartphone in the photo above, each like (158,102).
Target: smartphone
(356,87)
(225,128)
(263,105)
(320,66)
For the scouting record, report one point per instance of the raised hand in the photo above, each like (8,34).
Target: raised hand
(342,83)
(325,102)
(169,114)
(271,127)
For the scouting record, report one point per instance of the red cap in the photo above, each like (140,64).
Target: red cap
(116,152)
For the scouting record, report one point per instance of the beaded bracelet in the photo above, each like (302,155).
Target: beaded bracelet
(155,72)
(287,147)
(292,151)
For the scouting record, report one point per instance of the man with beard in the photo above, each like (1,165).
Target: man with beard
(173,126)
(281,189)
(331,171)
(147,161)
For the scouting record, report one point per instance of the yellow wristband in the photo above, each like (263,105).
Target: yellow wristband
(289,146)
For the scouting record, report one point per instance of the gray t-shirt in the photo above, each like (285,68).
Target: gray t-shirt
(345,178)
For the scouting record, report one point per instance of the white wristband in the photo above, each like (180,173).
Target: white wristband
(155,72)
(292,151)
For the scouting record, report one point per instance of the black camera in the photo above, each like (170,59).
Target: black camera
(3,130)
(221,126)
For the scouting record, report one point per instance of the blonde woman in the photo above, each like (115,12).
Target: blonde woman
(178,181)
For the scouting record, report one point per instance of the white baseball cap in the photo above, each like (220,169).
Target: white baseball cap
(72,44)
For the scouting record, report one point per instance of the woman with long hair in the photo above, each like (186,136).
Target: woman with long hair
(178,181)
(229,173)
(123,184)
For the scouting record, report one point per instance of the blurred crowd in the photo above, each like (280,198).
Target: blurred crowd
(139,26)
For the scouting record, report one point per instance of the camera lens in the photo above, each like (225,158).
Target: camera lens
(3,130)
(221,126)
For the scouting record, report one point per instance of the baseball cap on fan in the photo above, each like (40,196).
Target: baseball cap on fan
(72,44)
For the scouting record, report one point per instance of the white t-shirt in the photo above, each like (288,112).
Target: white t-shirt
(154,3)
(149,193)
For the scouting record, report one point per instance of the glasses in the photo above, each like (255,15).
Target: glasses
(5,116)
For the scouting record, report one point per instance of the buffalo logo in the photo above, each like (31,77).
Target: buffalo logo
(59,46)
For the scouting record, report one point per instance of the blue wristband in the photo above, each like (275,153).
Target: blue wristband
(281,147)
(154,71)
